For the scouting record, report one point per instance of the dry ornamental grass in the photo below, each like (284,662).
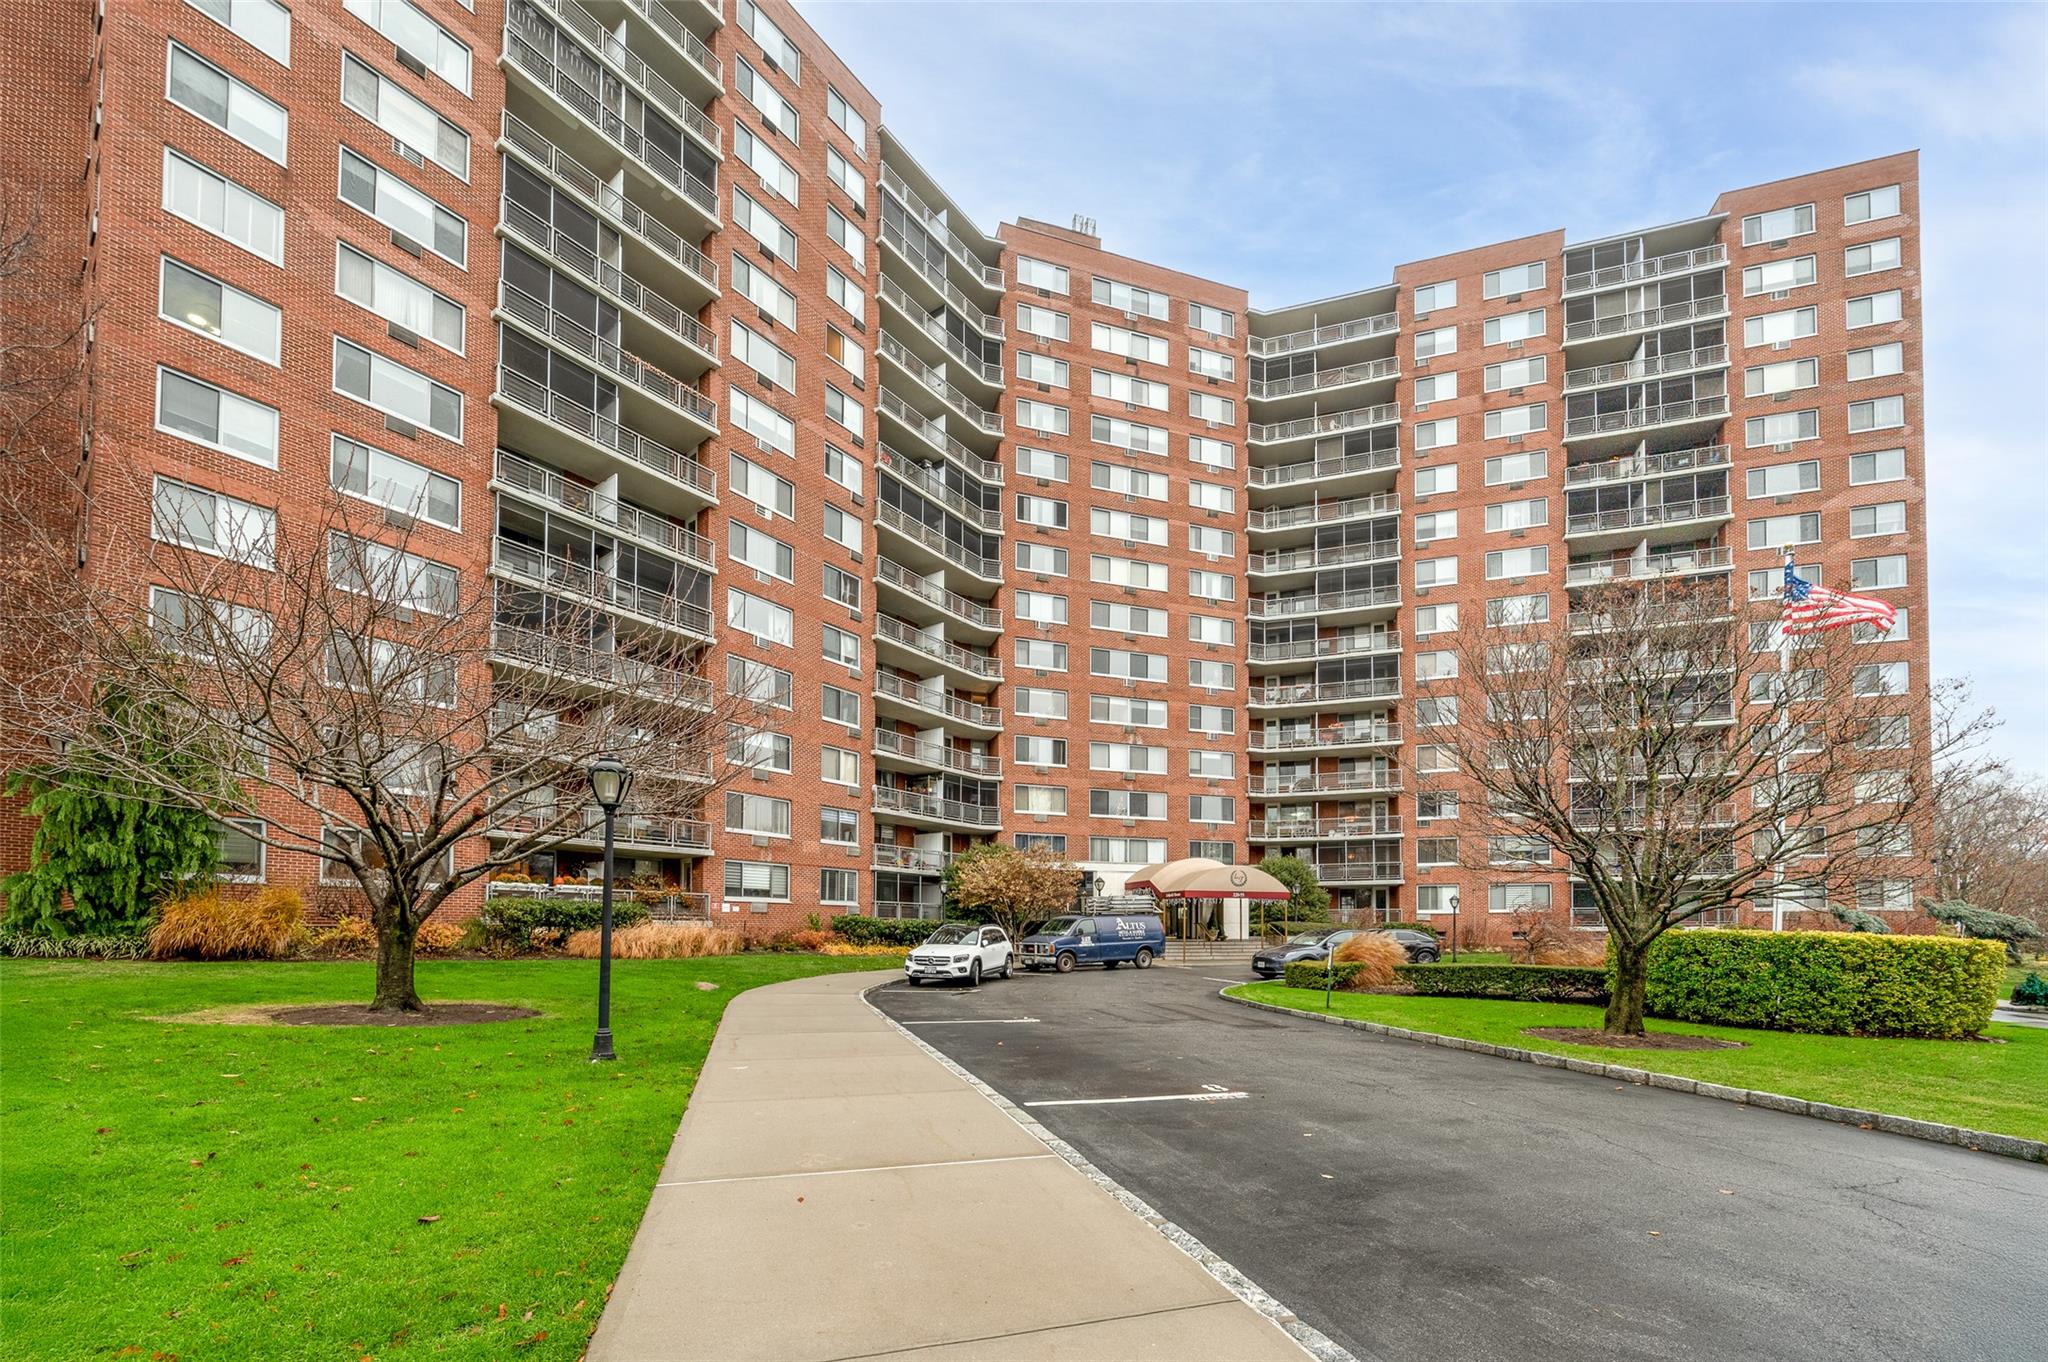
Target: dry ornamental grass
(1375,954)
(659,941)
(214,925)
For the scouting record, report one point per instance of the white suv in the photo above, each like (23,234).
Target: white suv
(960,950)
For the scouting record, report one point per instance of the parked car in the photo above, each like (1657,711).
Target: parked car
(960,950)
(1317,943)
(1106,939)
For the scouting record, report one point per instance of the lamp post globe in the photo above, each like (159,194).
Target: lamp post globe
(609,779)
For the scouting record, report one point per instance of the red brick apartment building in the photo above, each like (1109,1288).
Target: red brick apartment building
(1034,541)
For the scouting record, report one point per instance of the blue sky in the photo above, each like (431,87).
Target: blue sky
(1302,150)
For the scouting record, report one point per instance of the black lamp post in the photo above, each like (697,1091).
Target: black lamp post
(1453,899)
(608,781)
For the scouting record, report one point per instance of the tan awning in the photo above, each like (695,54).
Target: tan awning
(1199,877)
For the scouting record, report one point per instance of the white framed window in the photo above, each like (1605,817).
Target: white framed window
(1041,369)
(1512,611)
(1515,326)
(1877,413)
(1784,479)
(1048,512)
(1127,711)
(770,493)
(1436,666)
(1435,434)
(1042,321)
(1209,763)
(774,44)
(1215,320)
(1211,363)
(398,484)
(1877,361)
(212,523)
(1122,387)
(1515,373)
(1873,257)
(200,88)
(760,749)
(1879,465)
(1035,702)
(1879,678)
(1515,279)
(1206,674)
(763,226)
(766,621)
(758,815)
(408,119)
(1215,630)
(1430,297)
(842,646)
(1127,526)
(395,390)
(779,113)
(399,298)
(762,552)
(838,888)
(844,469)
(1436,388)
(392,575)
(1127,850)
(1781,531)
(1440,340)
(1532,561)
(1050,800)
(190,623)
(1132,482)
(1512,468)
(777,176)
(1131,435)
(1036,751)
(1212,541)
(1780,328)
(769,427)
(1040,607)
(1518,515)
(1768,380)
(1041,559)
(1870,204)
(1884,517)
(1522,420)
(848,120)
(1767,584)
(403,209)
(221,312)
(1436,572)
(1212,719)
(1901,630)
(1126,664)
(263,24)
(1128,298)
(210,415)
(846,293)
(414,34)
(1775,276)
(1206,808)
(763,356)
(239,849)
(1117,340)
(215,203)
(1213,408)
(1431,481)
(757,881)
(1211,453)
(1874,309)
(841,172)
(1436,525)
(1212,586)
(1781,428)
(1131,572)
(1435,619)
(1041,274)
(1436,711)
(1043,417)
(1041,463)
(842,350)
(840,586)
(847,237)
(1779,224)
(759,682)
(1518,898)
(1211,496)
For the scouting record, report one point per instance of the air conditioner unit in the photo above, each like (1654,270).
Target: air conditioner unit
(1780,295)
(1516,392)
(406,243)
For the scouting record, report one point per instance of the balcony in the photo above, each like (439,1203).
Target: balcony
(648,83)
(1632,818)
(1319,470)
(673,905)
(911,861)
(932,698)
(1332,423)
(1630,518)
(1360,872)
(559,415)
(933,330)
(1635,467)
(514,732)
(1278,518)
(1352,828)
(636,374)
(692,49)
(915,474)
(530,566)
(1614,276)
(1265,347)
(1371,371)
(987,276)
(1346,645)
(895,519)
(934,434)
(1312,693)
(602,668)
(1364,599)
(934,275)
(935,809)
(1330,737)
(1600,375)
(956,606)
(631,831)
(1366,781)
(986,422)
(535,483)
(1276,561)
(1622,323)
(637,229)
(1644,418)
(890,744)
(1680,563)
(976,666)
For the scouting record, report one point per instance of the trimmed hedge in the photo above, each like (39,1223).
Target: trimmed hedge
(884,931)
(1522,983)
(516,920)
(2031,991)
(1311,974)
(1830,983)
(35,946)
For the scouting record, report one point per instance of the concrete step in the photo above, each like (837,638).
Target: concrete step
(1209,952)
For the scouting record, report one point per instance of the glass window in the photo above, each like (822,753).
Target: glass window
(839,888)
(1441,340)
(419,37)
(1785,479)
(848,121)
(241,321)
(769,427)
(201,88)
(760,815)
(1877,361)
(205,414)
(766,881)
(1879,413)
(1215,320)
(1782,428)
(1886,517)
(777,176)
(403,209)
(1129,298)
(224,208)
(1775,276)
(764,619)
(775,44)
(396,390)
(1430,297)
(761,552)
(400,484)
(1881,465)
(1875,309)
(767,491)
(1781,328)
(763,226)
(1041,274)
(1870,205)
(408,119)
(212,522)
(779,112)
(398,298)
(1515,326)
(1871,258)
(1777,225)
(763,356)
(1522,420)
(392,575)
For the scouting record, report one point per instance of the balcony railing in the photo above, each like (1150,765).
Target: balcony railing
(937,699)
(628,827)
(1367,781)
(1650,366)
(1360,872)
(935,487)
(1324,512)
(608,200)
(1694,309)
(1638,418)
(896,519)
(523,731)
(914,313)
(891,800)
(1633,517)
(577,419)
(952,654)
(1380,325)
(668,905)
(1344,555)
(1368,372)
(1674,564)
(1327,602)
(1328,692)
(952,602)
(1332,423)
(606,277)
(934,273)
(571,578)
(960,402)
(1363,825)
(1344,645)
(1629,467)
(578,339)
(532,648)
(665,22)
(934,433)
(936,224)
(653,85)
(977,764)
(913,860)
(1331,735)
(1634,818)
(1364,461)
(1612,276)
(544,484)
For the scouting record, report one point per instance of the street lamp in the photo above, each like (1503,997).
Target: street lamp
(608,781)
(1452,899)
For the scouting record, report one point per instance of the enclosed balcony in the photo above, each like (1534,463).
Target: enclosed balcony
(1329,423)
(1281,396)
(1278,520)
(1615,515)
(534,417)
(676,48)
(928,549)
(1315,695)
(1358,643)
(1274,786)
(932,483)
(1354,605)
(1342,475)
(922,330)
(911,860)
(631,831)
(1649,567)
(1645,464)
(976,272)
(933,434)
(1590,269)
(624,63)
(602,669)
(657,395)
(527,565)
(928,279)
(1294,562)
(977,421)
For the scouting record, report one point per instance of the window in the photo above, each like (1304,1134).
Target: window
(1435,388)
(847,120)
(763,226)
(1431,481)
(1124,664)
(219,205)
(1436,712)
(1212,719)
(1887,732)
(1901,630)
(1435,851)
(1777,225)
(1212,586)
(1881,787)
(1207,808)
(1517,898)
(1435,619)
(1036,702)
(1781,328)
(1877,361)
(759,682)
(1436,572)
(776,111)
(1769,583)
(779,49)
(764,881)
(1043,655)
(1533,561)
(264,24)
(838,766)
(1128,298)
(1221,454)
(1206,675)
(842,527)
(1775,276)
(1127,526)
(1875,309)
(1130,344)
(1871,258)
(1879,678)
(1124,618)
(1768,380)
(762,552)
(1778,531)
(395,390)
(759,749)
(1040,607)
(1442,340)
(1046,512)
(1884,896)
(419,37)
(1129,572)
(1881,465)
(843,468)
(1127,711)
(199,302)
(391,575)
(840,171)
(201,88)
(1516,279)
(1043,417)
(1139,439)
(1435,434)
(762,290)
(1512,611)
(1127,756)
(764,619)
(1209,763)
(1210,407)
(769,427)
(842,647)
(847,237)
(1436,525)
(1879,413)
(1887,517)
(760,815)
(1032,751)
(1785,479)
(403,209)
(1870,205)
(776,175)
(212,523)
(764,357)
(1211,363)
(212,416)
(1041,463)
(1212,496)
(390,481)
(1518,515)
(1432,806)
(398,298)
(763,488)
(1515,326)
(1041,369)
(1127,850)
(1041,274)
(1871,573)
(1041,559)
(1042,321)
(1431,899)
(1039,799)
(1211,541)
(839,888)
(1521,420)
(1782,428)
(1430,297)
(1436,666)
(1119,387)
(1214,320)
(409,120)
(238,844)
(1515,373)
(841,587)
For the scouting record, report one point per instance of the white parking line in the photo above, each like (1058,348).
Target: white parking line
(970,1021)
(1163,1097)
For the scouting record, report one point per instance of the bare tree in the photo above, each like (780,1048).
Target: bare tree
(1660,744)
(1992,844)
(409,723)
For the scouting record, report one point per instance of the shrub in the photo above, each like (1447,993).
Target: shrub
(1985,924)
(548,922)
(808,939)
(1313,974)
(1307,900)
(883,931)
(659,941)
(438,938)
(2031,991)
(1523,983)
(1375,954)
(1832,983)
(214,925)
(349,935)
(1539,939)
(32,945)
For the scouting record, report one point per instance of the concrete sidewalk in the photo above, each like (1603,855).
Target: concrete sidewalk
(834,1193)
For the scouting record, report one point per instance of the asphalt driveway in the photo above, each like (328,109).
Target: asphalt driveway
(1419,1203)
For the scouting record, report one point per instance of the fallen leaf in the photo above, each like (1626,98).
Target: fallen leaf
(235,1261)
(1331,1176)
(1724,1191)
(429,1219)
(1655,1233)
(108,1130)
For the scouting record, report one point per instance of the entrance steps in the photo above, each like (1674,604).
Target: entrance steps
(1214,953)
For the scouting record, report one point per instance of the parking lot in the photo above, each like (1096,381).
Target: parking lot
(1413,1202)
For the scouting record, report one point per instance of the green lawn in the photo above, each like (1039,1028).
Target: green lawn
(1999,1088)
(213,1191)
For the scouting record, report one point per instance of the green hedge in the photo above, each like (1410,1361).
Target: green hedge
(1523,983)
(514,921)
(1310,974)
(1275,927)
(2031,991)
(1832,983)
(884,931)
(31,945)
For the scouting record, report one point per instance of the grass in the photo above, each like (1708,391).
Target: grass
(1998,1088)
(207,1191)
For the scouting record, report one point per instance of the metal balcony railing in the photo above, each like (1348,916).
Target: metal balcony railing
(970,411)
(1326,602)
(952,602)
(1344,555)
(934,273)
(579,420)
(937,699)
(1638,418)
(1362,825)
(628,828)
(652,85)
(1327,692)
(914,313)
(1633,517)
(1360,872)
(571,578)
(1380,325)
(1630,467)
(689,44)
(1344,645)
(936,224)
(668,905)
(531,648)
(1674,564)
(891,800)
(520,731)
(544,484)
(1368,372)
(977,764)
(913,860)
(894,518)
(933,486)
(1331,735)
(1323,512)
(1613,276)
(1364,461)
(934,434)
(1695,309)
(578,339)
(1332,423)
(952,654)
(1369,781)
(608,278)
(1650,366)
(607,200)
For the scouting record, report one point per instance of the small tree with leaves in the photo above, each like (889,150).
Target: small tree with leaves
(1011,888)
(1307,900)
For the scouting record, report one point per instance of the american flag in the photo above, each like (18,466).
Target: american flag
(1813,609)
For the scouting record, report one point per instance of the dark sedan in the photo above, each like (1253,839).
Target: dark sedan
(1318,943)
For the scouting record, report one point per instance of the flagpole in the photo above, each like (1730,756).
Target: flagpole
(1784,670)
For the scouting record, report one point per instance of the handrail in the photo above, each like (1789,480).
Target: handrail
(1342,555)
(548,485)
(1360,872)
(899,465)
(557,573)
(572,334)
(1693,309)
(956,245)
(1341,645)
(1632,466)
(1312,692)
(1379,325)
(687,834)
(578,419)
(897,631)
(1332,735)
(1364,461)
(935,434)
(566,250)
(1360,826)
(895,518)
(1608,276)
(1292,607)
(1321,512)
(895,574)
(914,313)
(1630,517)
(1649,366)
(665,21)
(1368,780)
(939,754)
(1604,423)
(1654,565)
(1368,372)
(916,860)
(533,648)
(938,700)
(518,134)
(889,799)
(1358,418)
(938,383)
(664,95)
(935,274)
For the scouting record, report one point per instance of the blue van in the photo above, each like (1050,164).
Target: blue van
(1105,939)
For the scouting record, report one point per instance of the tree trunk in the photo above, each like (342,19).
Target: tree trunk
(395,992)
(1625,1004)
